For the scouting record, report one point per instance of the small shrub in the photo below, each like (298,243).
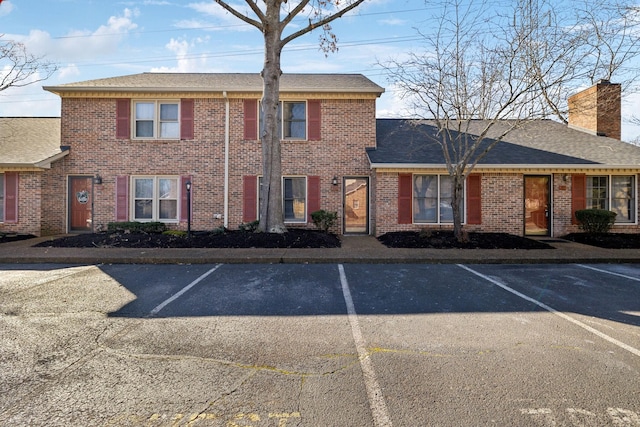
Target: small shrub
(425,233)
(324,220)
(177,233)
(136,227)
(218,231)
(595,220)
(251,227)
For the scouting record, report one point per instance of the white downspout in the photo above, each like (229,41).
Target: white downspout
(226,161)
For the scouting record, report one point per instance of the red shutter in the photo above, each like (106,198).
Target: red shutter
(249,198)
(314,120)
(123,115)
(405,190)
(578,195)
(11,197)
(474,199)
(313,195)
(186,119)
(122,198)
(251,119)
(184,215)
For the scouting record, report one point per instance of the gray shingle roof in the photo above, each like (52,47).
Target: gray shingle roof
(29,141)
(534,144)
(218,82)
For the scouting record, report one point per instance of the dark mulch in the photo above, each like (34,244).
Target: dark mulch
(8,237)
(607,240)
(446,240)
(228,239)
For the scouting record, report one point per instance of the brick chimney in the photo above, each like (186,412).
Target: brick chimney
(597,110)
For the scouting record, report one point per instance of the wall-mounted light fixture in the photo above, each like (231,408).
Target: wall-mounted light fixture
(97,179)
(565,177)
(334,181)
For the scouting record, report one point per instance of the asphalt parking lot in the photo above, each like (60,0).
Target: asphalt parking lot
(320,345)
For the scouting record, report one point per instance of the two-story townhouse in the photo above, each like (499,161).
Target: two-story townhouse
(137,142)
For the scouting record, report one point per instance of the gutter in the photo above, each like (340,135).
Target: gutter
(226,161)
(504,166)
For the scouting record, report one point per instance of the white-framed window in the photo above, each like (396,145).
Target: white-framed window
(155,198)
(156,119)
(294,198)
(292,116)
(616,193)
(432,196)
(1,197)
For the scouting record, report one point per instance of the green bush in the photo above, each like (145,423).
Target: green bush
(324,220)
(251,227)
(136,227)
(595,220)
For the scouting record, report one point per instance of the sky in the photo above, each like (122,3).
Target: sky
(90,39)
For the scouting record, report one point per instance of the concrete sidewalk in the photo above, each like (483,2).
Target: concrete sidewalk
(355,249)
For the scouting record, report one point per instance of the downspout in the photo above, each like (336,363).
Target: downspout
(226,160)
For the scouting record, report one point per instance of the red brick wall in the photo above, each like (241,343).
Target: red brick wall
(88,126)
(29,193)
(598,109)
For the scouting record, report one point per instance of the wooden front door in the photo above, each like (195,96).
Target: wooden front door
(80,203)
(537,205)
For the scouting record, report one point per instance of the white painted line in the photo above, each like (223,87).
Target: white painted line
(584,326)
(181,292)
(609,272)
(374,393)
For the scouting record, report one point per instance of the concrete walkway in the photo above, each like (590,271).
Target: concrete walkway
(355,249)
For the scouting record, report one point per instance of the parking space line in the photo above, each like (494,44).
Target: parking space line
(584,326)
(374,393)
(181,292)
(609,272)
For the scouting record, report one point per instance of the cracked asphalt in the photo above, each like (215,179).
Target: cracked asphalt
(319,345)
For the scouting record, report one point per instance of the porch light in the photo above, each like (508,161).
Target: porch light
(97,179)
(334,181)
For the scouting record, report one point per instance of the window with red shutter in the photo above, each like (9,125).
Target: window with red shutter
(251,119)
(186,119)
(578,195)
(405,215)
(249,198)
(313,195)
(314,113)
(11,183)
(122,198)
(123,117)
(474,199)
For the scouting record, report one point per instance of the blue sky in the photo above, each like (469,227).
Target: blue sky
(96,39)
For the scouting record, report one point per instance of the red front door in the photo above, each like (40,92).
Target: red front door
(80,203)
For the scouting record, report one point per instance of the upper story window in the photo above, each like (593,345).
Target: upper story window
(157,119)
(298,120)
(292,119)
(615,193)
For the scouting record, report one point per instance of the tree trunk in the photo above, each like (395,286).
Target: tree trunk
(456,197)
(271,215)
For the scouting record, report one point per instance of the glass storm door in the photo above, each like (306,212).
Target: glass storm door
(80,203)
(537,205)
(356,205)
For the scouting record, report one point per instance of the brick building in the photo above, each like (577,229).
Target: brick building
(126,147)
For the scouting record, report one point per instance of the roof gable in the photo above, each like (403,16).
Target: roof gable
(29,141)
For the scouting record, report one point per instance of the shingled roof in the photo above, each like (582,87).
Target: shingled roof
(28,142)
(403,143)
(219,82)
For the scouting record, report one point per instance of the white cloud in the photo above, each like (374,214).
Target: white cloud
(5,8)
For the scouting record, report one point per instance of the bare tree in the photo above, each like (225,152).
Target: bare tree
(19,68)
(272,17)
(473,85)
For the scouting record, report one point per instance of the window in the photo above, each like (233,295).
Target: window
(155,119)
(293,120)
(155,199)
(1,197)
(294,198)
(432,197)
(615,193)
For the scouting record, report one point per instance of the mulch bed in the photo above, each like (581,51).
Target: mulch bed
(8,237)
(446,240)
(607,240)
